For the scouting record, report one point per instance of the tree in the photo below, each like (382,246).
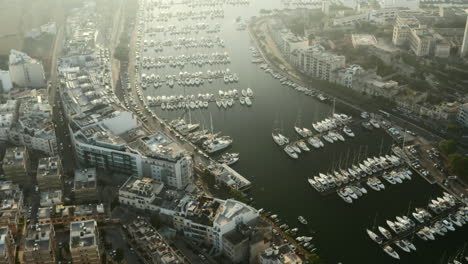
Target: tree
(448,146)
(459,164)
(155,222)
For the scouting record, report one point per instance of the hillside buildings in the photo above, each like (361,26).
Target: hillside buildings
(39,245)
(26,71)
(423,40)
(85,242)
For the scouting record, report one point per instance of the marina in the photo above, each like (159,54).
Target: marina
(441,217)
(279,182)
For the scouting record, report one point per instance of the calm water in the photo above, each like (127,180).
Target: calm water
(280,183)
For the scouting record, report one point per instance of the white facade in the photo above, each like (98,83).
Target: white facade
(140,193)
(464,47)
(5,81)
(319,63)
(25,71)
(225,217)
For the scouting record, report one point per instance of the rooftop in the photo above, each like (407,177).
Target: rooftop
(85,179)
(83,234)
(14,156)
(48,166)
(145,187)
(38,237)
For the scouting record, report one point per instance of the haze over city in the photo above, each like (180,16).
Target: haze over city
(234,131)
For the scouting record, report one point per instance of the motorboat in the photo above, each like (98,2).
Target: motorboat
(391,252)
(377,239)
(302,220)
(385,232)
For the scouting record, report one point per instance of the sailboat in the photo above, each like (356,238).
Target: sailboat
(303,132)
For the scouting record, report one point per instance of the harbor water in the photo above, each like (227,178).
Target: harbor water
(279,182)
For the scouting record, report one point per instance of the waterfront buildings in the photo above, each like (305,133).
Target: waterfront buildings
(7,246)
(105,135)
(85,242)
(49,174)
(280,255)
(11,198)
(16,166)
(26,71)
(39,245)
(85,185)
(207,219)
(319,63)
(150,244)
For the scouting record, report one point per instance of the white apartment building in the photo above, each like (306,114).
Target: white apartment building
(207,219)
(140,193)
(26,71)
(319,63)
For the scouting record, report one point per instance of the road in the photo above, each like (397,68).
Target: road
(201,159)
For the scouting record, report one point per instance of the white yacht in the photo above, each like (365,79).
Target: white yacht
(377,239)
(391,252)
(278,140)
(385,233)
(291,153)
(348,131)
(249,92)
(248,101)
(302,145)
(218,144)
(242,100)
(374,123)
